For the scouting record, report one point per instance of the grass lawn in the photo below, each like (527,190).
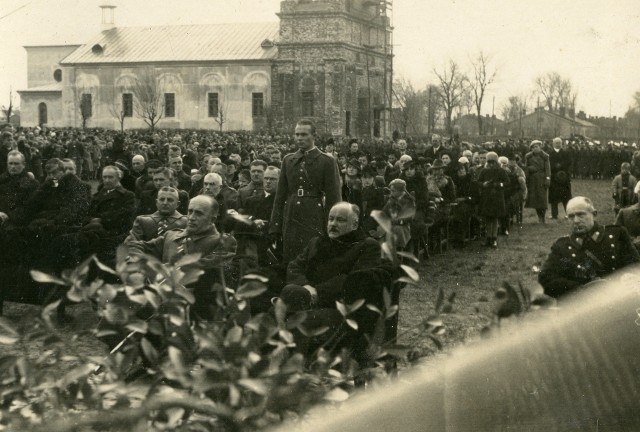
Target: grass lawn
(472,273)
(475,272)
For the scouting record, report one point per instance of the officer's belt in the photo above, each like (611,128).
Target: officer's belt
(301,193)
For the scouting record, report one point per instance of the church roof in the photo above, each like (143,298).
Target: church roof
(207,42)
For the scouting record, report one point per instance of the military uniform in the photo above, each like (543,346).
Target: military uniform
(148,227)
(575,260)
(308,187)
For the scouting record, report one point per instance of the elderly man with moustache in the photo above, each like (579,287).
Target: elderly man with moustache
(589,253)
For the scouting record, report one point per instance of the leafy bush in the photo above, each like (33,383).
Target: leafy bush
(233,372)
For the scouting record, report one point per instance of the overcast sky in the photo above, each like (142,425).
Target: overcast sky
(595,43)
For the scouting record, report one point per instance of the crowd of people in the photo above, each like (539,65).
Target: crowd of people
(298,203)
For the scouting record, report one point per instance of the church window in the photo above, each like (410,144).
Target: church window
(169,104)
(213,104)
(127,104)
(57,75)
(42,113)
(307,104)
(257,104)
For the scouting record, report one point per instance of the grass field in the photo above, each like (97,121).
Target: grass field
(475,272)
(472,273)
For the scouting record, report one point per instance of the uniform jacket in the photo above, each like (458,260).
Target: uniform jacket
(173,245)
(574,262)
(115,208)
(560,187)
(629,217)
(325,263)
(247,192)
(537,169)
(145,227)
(308,187)
(15,192)
(66,204)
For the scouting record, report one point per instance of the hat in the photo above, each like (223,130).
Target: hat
(437,164)
(535,142)
(398,184)
(369,171)
(122,165)
(492,156)
(354,163)
(409,164)
(463,160)
(405,158)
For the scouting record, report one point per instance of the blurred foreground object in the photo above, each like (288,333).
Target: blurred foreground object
(576,368)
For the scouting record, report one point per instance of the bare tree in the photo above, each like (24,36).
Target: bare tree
(412,105)
(7,111)
(557,91)
(451,88)
(514,110)
(221,119)
(148,97)
(483,76)
(434,107)
(117,112)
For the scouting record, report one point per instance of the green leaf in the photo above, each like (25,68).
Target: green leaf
(191,276)
(351,323)
(408,280)
(391,311)
(234,336)
(256,386)
(41,277)
(75,295)
(251,289)
(186,294)
(342,309)
(373,308)
(387,250)
(411,272)
(188,260)
(256,277)
(337,395)
(138,326)
(382,219)
(313,332)
(296,319)
(409,255)
(149,350)
(356,305)
(8,340)
(103,267)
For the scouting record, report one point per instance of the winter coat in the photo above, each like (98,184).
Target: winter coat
(493,182)
(325,263)
(560,186)
(15,192)
(66,204)
(115,208)
(308,187)
(538,172)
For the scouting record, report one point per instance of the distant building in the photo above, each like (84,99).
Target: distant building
(467,125)
(546,124)
(325,59)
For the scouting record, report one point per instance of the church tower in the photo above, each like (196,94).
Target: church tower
(334,65)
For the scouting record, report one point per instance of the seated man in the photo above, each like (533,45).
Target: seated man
(112,207)
(71,168)
(166,218)
(212,186)
(16,188)
(316,277)
(200,236)
(162,177)
(591,252)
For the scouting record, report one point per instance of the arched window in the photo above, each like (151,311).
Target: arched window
(42,113)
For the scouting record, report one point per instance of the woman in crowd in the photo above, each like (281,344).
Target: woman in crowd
(493,181)
(538,171)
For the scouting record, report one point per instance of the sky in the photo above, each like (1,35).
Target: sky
(596,44)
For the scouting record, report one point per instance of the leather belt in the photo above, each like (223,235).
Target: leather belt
(303,193)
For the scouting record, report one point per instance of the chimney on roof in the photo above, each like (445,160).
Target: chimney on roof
(108,16)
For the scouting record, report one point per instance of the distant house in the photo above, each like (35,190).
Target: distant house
(467,125)
(546,124)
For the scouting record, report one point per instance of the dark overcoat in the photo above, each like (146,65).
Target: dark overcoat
(15,192)
(115,208)
(629,217)
(308,187)
(325,263)
(493,183)
(537,169)
(560,187)
(67,204)
(574,261)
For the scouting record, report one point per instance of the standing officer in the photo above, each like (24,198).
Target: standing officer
(560,186)
(591,252)
(309,184)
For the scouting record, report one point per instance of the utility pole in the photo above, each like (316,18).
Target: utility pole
(429,114)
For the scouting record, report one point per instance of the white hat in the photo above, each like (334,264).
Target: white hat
(463,160)
(405,158)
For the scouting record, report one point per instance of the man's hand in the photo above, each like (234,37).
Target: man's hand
(259,223)
(313,292)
